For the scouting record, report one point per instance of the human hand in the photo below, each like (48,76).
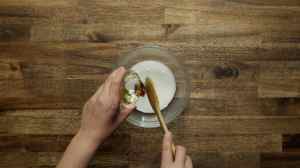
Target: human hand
(102,113)
(181,159)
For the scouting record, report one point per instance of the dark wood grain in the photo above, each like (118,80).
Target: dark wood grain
(280,160)
(290,143)
(68,123)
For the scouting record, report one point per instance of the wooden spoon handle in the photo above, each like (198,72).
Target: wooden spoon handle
(165,128)
(173,150)
(153,99)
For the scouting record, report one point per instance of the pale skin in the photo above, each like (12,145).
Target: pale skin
(101,115)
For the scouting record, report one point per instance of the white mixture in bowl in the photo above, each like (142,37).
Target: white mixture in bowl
(164,83)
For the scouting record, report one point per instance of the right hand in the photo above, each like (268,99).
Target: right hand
(181,159)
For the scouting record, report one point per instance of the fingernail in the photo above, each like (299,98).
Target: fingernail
(131,106)
(128,106)
(116,71)
(121,69)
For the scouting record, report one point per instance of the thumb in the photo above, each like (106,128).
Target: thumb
(166,156)
(125,110)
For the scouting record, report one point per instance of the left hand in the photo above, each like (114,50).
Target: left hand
(102,113)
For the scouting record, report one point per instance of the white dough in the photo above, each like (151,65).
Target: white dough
(164,83)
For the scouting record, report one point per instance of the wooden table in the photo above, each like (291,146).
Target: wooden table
(243,57)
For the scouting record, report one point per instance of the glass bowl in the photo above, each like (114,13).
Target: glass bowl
(182,93)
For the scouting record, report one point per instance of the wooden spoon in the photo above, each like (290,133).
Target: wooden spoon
(153,99)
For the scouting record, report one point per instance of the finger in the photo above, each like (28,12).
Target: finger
(188,162)
(180,155)
(166,156)
(109,82)
(105,85)
(115,94)
(113,74)
(126,109)
(116,80)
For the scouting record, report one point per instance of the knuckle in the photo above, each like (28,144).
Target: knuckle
(166,146)
(115,82)
(99,102)
(99,99)
(92,100)
(114,105)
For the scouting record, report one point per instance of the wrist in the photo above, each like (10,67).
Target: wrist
(79,151)
(90,141)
